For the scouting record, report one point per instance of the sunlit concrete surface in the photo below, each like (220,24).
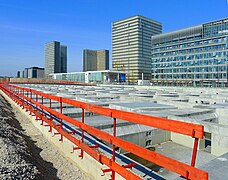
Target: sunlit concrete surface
(206,106)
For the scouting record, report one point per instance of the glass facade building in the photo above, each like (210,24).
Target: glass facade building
(105,76)
(195,56)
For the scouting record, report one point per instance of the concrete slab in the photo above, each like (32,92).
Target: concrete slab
(217,168)
(133,106)
(180,153)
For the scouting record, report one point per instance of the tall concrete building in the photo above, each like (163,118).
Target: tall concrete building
(95,60)
(131,46)
(55,58)
(196,56)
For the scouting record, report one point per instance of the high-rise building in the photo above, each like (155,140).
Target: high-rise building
(63,56)
(21,73)
(18,74)
(95,60)
(25,73)
(55,58)
(131,46)
(192,56)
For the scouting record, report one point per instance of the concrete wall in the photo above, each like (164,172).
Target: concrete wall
(186,140)
(222,115)
(156,136)
(204,100)
(219,139)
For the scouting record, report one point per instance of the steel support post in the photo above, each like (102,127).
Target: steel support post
(82,137)
(114,147)
(50,118)
(23,94)
(194,153)
(61,120)
(30,102)
(42,102)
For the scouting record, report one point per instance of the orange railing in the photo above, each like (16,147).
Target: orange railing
(41,81)
(28,98)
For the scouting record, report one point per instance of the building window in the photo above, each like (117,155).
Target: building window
(148,143)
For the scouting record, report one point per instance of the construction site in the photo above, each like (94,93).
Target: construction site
(122,131)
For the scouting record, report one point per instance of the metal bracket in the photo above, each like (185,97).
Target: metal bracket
(130,165)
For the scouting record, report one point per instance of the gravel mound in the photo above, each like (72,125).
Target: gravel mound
(17,161)
(26,154)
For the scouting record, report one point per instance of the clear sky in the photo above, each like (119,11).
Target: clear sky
(26,25)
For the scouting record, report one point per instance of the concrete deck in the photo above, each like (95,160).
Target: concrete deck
(206,106)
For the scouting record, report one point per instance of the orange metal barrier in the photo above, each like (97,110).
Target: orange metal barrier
(24,95)
(42,81)
(4,80)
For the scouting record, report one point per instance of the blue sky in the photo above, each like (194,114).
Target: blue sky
(25,25)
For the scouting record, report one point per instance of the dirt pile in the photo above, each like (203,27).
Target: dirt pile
(16,158)
(26,154)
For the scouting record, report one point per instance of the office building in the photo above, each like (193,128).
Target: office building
(131,46)
(35,72)
(95,60)
(18,74)
(63,57)
(55,58)
(21,73)
(195,56)
(32,72)
(25,73)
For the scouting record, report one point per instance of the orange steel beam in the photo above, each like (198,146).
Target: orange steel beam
(193,130)
(173,165)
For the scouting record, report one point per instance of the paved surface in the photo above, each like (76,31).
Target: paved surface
(182,154)
(217,168)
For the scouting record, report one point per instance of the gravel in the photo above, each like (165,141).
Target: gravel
(26,154)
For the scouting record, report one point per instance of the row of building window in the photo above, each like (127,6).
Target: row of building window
(218,54)
(191,51)
(191,44)
(190,63)
(209,30)
(171,41)
(191,76)
(192,69)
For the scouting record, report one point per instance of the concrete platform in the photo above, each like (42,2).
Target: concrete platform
(206,106)
(217,168)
